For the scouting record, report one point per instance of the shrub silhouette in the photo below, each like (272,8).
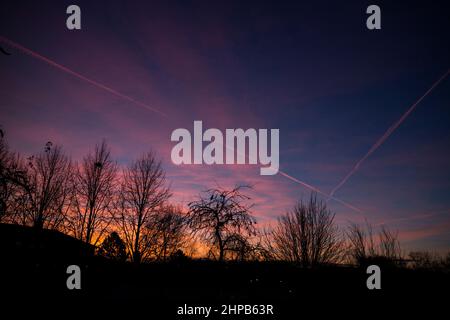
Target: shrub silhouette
(364,249)
(113,248)
(307,235)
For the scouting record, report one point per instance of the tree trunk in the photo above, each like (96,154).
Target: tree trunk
(136,253)
(221,249)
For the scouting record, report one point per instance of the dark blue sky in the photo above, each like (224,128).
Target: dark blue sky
(313,70)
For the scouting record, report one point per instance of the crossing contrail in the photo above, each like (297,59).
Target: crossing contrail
(78,75)
(141,104)
(306,185)
(386,135)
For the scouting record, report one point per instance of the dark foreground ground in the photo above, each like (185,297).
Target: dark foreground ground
(33,272)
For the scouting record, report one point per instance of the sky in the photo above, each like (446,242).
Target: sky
(138,70)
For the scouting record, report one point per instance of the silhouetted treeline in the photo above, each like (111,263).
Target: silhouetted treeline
(128,215)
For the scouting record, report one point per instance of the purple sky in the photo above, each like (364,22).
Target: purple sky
(331,86)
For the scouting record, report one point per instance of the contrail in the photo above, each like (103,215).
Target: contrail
(348,205)
(386,135)
(78,75)
(125,97)
(306,185)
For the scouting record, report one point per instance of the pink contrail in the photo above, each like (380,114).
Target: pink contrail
(78,75)
(348,205)
(386,135)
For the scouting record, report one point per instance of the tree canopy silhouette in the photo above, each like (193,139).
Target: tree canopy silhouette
(366,249)
(143,191)
(95,190)
(113,247)
(221,217)
(48,188)
(168,227)
(307,235)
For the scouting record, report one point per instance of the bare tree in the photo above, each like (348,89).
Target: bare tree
(169,232)
(4,181)
(364,247)
(47,189)
(389,244)
(220,217)
(361,242)
(15,189)
(242,248)
(7,177)
(143,191)
(95,187)
(307,235)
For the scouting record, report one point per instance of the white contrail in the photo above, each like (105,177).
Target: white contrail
(306,185)
(78,75)
(386,135)
(141,104)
